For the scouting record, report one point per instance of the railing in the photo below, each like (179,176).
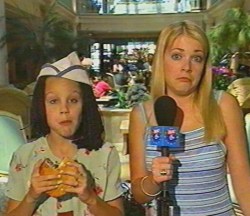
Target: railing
(66,3)
(197,5)
(138,6)
(213,1)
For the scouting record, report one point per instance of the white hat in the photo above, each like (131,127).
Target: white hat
(69,67)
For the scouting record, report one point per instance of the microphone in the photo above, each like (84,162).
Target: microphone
(162,105)
(165,136)
(165,109)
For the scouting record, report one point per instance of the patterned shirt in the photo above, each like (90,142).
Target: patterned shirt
(103,165)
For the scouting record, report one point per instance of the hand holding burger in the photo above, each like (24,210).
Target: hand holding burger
(49,168)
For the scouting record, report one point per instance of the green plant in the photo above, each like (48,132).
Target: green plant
(135,94)
(231,35)
(121,99)
(221,82)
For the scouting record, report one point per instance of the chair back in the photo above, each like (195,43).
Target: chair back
(110,79)
(246,102)
(16,101)
(247,126)
(12,136)
(118,81)
(240,88)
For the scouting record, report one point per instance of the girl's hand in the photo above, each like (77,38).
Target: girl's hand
(162,168)
(81,183)
(40,184)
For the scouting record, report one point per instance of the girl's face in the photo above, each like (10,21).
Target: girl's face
(184,63)
(63,104)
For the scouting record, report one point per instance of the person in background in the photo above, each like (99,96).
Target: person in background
(212,125)
(149,61)
(67,125)
(101,87)
(148,69)
(117,66)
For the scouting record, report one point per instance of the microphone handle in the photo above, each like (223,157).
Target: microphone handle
(164,200)
(165,153)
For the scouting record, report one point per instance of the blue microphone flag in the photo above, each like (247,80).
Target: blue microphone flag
(163,136)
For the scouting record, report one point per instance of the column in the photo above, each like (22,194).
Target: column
(4,78)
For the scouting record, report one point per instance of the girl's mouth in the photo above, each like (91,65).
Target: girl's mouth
(66,122)
(184,79)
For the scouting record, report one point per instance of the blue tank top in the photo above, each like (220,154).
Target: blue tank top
(199,184)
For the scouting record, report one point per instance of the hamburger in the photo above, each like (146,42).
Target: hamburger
(50,168)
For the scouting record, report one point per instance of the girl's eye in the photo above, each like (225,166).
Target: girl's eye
(198,59)
(176,56)
(73,100)
(53,101)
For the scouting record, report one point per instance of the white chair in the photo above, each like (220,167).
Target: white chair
(16,101)
(240,88)
(124,151)
(12,136)
(236,206)
(247,126)
(246,102)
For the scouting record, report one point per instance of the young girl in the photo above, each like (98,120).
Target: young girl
(66,121)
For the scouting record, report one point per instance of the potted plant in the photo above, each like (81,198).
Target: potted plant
(134,94)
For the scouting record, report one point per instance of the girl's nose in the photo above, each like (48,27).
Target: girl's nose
(187,65)
(64,112)
(64,109)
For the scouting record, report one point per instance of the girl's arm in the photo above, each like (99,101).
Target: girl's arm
(16,208)
(137,158)
(99,207)
(237,157)
(145,184)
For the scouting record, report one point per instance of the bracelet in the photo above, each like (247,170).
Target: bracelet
(143,190)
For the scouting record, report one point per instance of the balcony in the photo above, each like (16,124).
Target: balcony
(138,6)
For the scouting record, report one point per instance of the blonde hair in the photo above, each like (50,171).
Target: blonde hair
(204,97)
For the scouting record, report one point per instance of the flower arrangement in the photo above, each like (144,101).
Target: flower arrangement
(222,77)
(136,94)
